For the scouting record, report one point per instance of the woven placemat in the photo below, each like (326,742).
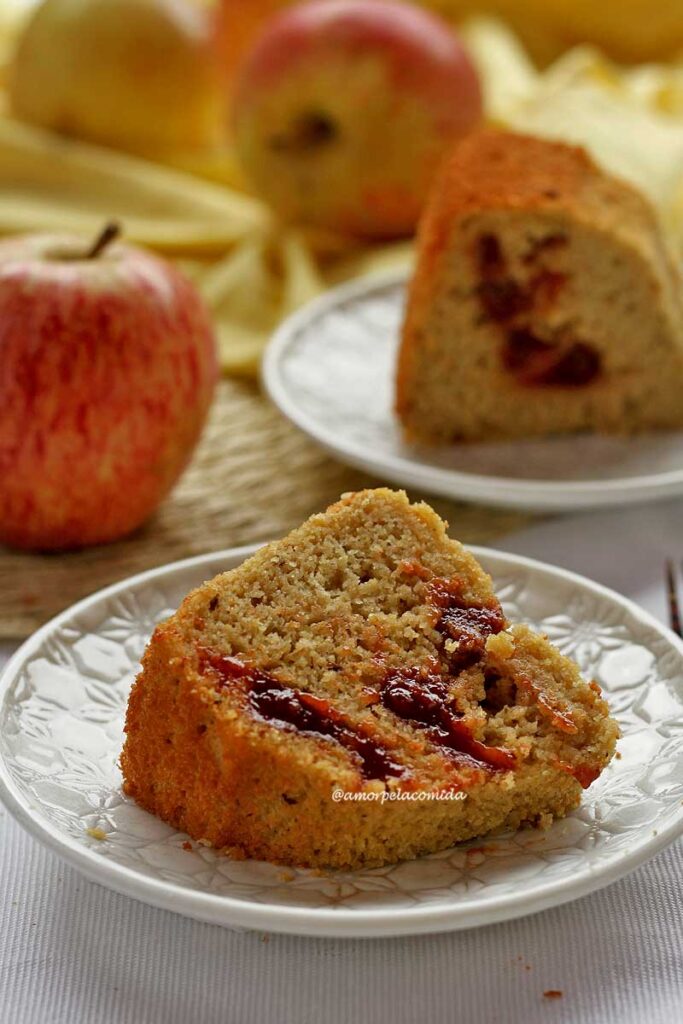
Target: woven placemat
(254,477)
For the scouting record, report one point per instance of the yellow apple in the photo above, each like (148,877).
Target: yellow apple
(139,75)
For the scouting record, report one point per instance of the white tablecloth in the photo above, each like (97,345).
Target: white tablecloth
(73,952)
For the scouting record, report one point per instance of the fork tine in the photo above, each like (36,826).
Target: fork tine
(674,606)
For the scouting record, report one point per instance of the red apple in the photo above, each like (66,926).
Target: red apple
(107,368)
(344,108)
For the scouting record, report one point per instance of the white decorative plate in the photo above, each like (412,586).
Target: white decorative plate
(330,369)
(63,701)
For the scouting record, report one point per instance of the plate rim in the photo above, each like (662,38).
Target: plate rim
(339,922)
(501,492)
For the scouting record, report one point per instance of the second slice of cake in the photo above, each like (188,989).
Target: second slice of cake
(364,654)
(544,301)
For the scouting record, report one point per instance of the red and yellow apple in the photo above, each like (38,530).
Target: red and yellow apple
(139,75)
(344,108)
(107,369)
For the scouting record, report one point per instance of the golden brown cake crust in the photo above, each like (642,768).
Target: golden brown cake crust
(361,609)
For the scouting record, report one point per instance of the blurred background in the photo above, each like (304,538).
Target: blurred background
(195,127)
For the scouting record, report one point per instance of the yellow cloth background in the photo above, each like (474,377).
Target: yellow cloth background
(253,271)
(632,31)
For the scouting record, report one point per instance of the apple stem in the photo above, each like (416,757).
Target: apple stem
(107,235)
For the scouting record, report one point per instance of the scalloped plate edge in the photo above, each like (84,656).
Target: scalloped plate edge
(231,912)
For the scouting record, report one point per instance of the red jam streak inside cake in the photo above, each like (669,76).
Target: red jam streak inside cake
(537,363)
(466,624)
(532,360)
(422,698)
(281,705)
(414,694)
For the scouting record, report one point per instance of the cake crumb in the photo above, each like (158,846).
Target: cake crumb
(553,993)
(502,644)
(96,833)
(286,876)
(187,845)
(232,852)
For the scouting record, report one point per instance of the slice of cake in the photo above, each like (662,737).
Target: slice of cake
(364,655)
(545,300)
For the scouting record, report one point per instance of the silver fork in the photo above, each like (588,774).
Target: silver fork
(672,594)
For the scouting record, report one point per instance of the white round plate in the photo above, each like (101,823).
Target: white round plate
(330,370)
(63,702)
